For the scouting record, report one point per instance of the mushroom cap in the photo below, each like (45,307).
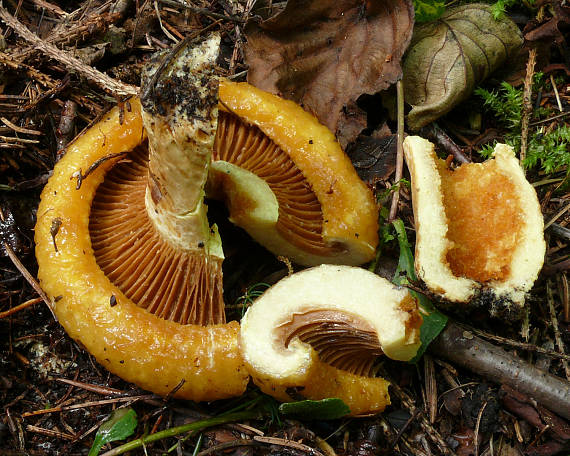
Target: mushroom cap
(320,210)
(337,316)
(131,342)
(479,228)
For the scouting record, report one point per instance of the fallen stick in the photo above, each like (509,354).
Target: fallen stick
(467,350)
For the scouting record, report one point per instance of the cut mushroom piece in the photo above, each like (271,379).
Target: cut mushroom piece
(317,334)
(479,228)
(287,182)
(125,250)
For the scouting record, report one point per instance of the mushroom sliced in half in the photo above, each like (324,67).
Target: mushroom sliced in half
(479,228)
(287,182)
(128,257)
(318,332)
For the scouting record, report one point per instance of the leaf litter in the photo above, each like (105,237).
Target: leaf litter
(35,91)
(331,54)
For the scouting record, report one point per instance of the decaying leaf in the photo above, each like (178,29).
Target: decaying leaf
(549,29)
(325,54)
(449,57)
(374,159)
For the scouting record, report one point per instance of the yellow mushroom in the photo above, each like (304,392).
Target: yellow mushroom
(137,300)
(479,228)
(124,246)
(317,334)
(288,183)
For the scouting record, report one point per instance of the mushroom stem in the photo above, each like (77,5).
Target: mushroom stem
(180,115)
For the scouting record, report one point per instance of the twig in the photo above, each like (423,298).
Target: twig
(399,149)
(227,445)
(24,305)
(565,296)
(49,432)
(164,29)
(554,321)
(431,388)
(404,428)
(550,119)
(287,443)
(557,216)
(77,31)
(435,134)
(560,231)
(17,129)
(513,343)
(527,103)
(467,350)
(41,4)
(432,433)
(477,425)
(66,408)
(108,84)
(29,278)
(81,177)
(11,139)
(94,388)
(36,75)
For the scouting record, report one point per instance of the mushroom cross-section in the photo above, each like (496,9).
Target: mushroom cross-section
(479,227)
(125,249)
(317,334)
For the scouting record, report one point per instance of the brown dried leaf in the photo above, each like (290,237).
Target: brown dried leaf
(449,57)
(374,159)
(325,54)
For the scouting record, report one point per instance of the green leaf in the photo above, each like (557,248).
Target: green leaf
(433,320)
(428,10)
(120,425)
(448,57)
(325,409)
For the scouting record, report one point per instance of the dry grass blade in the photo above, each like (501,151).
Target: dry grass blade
(86,404)
(16,309)
(289,444)
(29,278)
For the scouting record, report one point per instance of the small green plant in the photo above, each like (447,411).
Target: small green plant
(251,294)
(547,150)
(428,10)
(433,320)
(120,425)
(499,8)
(506,103)
(550,150)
